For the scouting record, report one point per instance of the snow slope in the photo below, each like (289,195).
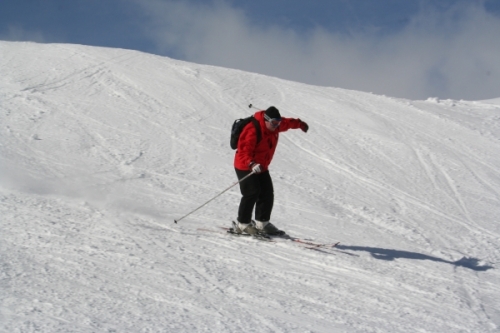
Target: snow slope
(101,149)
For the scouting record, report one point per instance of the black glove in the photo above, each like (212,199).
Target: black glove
(303,126)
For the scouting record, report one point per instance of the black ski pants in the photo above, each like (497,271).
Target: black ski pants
(257,191)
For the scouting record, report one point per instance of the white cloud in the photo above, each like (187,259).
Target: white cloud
(451,54)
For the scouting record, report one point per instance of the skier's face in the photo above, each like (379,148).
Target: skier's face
(273,124)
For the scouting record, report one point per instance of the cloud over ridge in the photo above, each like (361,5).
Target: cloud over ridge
(450,53)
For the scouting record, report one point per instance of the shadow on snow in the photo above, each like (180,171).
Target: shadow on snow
(389,255)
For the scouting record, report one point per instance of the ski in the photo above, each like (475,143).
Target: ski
(231,231)
(256,236)
(287,237)
(309,243)
(275,238)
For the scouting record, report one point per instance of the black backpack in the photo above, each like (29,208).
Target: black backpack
(238,126)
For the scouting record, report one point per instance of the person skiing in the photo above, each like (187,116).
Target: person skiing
(252,156)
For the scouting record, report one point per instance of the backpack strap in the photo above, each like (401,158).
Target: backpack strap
(257,129)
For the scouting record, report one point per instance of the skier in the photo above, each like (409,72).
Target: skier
(252,156)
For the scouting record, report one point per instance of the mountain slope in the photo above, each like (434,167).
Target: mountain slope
(101,149)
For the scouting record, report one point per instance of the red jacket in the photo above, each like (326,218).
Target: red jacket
(262,153)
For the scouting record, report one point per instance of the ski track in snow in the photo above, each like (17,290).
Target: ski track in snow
(101,149)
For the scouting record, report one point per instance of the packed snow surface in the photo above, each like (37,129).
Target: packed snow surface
(101,149)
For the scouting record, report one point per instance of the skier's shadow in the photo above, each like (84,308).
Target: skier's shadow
(386,254)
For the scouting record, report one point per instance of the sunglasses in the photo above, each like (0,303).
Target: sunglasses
(275,122)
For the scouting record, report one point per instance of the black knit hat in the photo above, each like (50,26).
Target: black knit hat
(272,113)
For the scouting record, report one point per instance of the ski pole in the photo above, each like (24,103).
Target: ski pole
(239,181)
(252,106)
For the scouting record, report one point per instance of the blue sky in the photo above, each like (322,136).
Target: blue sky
(414,49)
